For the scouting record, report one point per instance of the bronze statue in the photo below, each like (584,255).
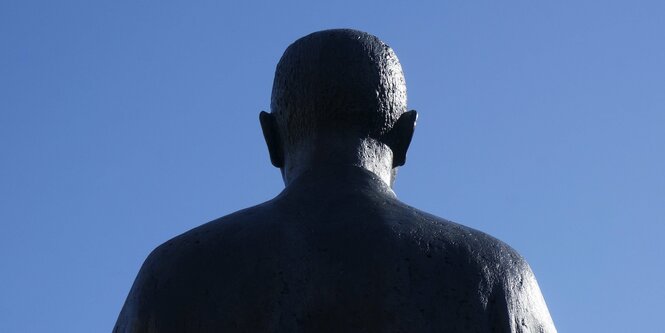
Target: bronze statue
(336,251)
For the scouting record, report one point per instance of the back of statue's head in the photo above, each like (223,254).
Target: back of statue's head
(338,82)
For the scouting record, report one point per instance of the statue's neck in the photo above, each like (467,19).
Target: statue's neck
(328,156)
(338,180)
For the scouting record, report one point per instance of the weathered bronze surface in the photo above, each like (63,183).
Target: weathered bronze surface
(336,251)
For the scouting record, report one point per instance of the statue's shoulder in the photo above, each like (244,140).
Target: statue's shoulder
(180,275)
(224,232)
(474,246)
(219,240)
(497,271)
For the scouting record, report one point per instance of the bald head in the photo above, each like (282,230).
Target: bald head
(338,99)
(337,82)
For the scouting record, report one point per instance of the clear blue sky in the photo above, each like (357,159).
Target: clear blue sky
(125,123)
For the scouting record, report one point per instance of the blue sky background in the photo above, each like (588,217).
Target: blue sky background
(125,123)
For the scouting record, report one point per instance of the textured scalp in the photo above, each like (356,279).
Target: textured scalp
(336,81)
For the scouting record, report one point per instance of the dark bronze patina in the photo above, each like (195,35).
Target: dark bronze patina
(336,251)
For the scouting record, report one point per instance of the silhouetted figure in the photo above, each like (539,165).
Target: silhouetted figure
(336,251)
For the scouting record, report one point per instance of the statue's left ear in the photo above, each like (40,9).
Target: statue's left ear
(399,137)
(271,134)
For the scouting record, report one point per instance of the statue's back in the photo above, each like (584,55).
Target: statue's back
(351,259)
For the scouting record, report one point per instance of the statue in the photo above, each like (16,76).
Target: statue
(335,251)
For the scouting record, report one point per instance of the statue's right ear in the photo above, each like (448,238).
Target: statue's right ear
(273,140)
(399,137)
